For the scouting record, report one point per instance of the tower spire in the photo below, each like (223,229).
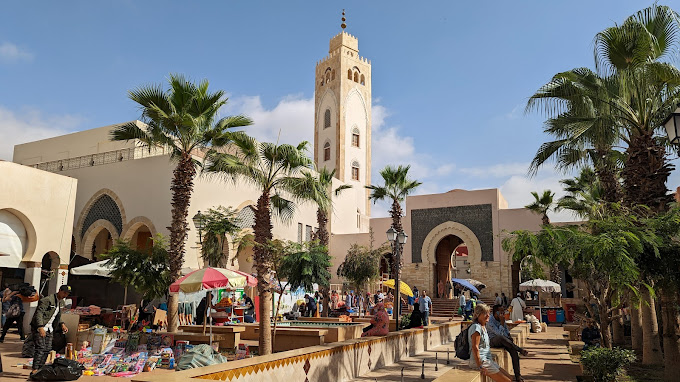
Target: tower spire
(343,25)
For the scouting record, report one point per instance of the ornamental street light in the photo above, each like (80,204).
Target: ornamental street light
(199,222)
(397,239)
(672,125)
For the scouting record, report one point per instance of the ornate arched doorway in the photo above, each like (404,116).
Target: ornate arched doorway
(443,268)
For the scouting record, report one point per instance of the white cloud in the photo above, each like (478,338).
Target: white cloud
(292,118)
(498,170)
(31,125)
(10,53)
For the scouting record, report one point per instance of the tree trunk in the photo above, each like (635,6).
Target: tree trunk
(671,344)
(182,187)
(645,174)
(636,328)
(605,326)
(324,239)
(651,347)
(617,329)
(396,213)
(263,233)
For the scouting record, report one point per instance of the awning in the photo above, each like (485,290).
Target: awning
(95,269)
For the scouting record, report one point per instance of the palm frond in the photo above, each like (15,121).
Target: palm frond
(283,208)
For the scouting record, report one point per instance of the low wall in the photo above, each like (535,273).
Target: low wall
(338,361)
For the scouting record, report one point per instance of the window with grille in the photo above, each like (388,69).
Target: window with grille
(300,233)
(327,119)
(327,151)
(355,137)
(308,235)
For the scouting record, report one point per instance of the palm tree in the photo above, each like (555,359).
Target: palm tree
(277,171)
(542,204)
(396,188)
(322,183)
(184,121)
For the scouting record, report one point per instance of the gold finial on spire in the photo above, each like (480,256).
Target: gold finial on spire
(343,25)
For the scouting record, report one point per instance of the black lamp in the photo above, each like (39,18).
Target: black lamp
(672,125)
(199,223)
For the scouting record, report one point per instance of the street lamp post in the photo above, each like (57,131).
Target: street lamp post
(672,125)
(397,239)
(199,222)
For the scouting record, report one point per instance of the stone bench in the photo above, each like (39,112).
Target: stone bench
(463,374)
(231,334)
(296,338)
(575,347)
(573,331)
(518,337)
(367,320)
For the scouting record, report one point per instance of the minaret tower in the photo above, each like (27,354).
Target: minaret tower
(342,116)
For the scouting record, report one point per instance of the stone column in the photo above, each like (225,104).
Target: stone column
(60,278)
(32,277)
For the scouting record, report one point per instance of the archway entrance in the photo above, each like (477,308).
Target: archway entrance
(101,243)
(141,239)
(386,266)
(443,267)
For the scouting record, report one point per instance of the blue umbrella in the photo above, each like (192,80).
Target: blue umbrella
(466,284)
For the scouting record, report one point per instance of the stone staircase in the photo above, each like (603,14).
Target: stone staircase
(444,307)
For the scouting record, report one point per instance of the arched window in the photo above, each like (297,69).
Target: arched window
(327,119)
(356,77)
(328,77)
(332,74)
(355,170)
(327,151)
(363,80)
(349,74)
(355,137)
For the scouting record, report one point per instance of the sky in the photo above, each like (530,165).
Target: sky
(450,79)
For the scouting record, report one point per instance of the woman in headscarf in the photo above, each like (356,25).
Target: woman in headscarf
(380,322)
(416,318)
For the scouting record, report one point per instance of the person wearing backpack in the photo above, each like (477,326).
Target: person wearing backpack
(14,314)
(480,348)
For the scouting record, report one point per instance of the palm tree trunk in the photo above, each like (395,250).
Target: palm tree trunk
(671,344)
(182,187)
(636,328)
(617,329)
(263,233)
(611,188)
(645,174)
(651,347)
(396,213)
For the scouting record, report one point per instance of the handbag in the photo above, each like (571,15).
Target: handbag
(13,311)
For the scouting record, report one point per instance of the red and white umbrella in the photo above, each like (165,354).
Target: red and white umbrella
(250,279)
(208,279)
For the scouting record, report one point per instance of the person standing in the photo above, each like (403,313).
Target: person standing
(461,302)
(310,303)
(449,288)
(13,314)
(505,300)
(425,307)
(517,305)
(348,300)
(334,300)
(440,289)
(46,317)
(499,337)
(499,300)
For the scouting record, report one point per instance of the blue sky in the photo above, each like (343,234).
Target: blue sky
(450,78)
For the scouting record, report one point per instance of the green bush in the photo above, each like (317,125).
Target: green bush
(405,320)
(604,365)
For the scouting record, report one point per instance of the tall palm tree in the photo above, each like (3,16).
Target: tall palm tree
(323,181)
(397,186)
(182,119)
(277,171)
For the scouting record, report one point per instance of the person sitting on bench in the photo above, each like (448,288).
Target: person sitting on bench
(499,337)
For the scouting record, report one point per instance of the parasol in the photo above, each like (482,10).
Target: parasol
(466,285)
(251,280)
(477,284)
(540,285)
(403,287)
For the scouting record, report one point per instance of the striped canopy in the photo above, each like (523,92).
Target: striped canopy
(207,279)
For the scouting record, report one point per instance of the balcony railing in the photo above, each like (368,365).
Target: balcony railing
(100,159)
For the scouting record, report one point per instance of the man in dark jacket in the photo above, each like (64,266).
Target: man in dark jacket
(46,318)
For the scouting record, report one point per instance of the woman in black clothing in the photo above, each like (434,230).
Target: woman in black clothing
(416,317)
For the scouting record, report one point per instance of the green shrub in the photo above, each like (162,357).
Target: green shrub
(604,365)
(404,321)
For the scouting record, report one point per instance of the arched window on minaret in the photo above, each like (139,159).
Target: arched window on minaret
(327,151)
(327,119)
(356,77)
(349,74)
(333,75)
(355,170)
(363,80)
(355,137)
(328,77)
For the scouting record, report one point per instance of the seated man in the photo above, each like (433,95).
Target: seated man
(499,337)
(590,335)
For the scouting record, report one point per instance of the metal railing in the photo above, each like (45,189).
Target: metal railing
(99,159)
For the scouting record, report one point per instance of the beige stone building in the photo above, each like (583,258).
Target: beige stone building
(124,192)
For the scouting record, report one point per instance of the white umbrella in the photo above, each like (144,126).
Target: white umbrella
(540,285)
(94,269)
